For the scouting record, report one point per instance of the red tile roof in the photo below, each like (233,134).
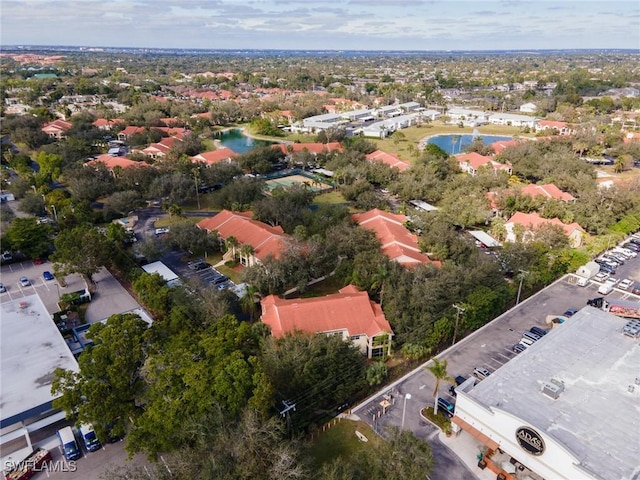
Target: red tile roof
(104,123)
(532,221)
(265,239)
(388,159)
(548,190)
(162,147)
(314,148)
(215,156)
(349,310)
(552,124)
(475,161)
(500,145)
(111,162)
(398,243)
(57,126)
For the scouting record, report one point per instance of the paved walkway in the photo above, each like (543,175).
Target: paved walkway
(110,298)
(467,448)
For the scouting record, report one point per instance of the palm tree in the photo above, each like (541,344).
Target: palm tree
(246,251)
(439,370)
(379,279)
(248,301)
(232,243)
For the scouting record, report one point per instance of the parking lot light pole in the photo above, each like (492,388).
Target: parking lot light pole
(522,274)
(455,330)
(404,408)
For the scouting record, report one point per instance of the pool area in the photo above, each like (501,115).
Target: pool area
(286,181)
(454,144)
(238,142)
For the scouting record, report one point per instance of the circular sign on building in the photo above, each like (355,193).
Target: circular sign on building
(530,440)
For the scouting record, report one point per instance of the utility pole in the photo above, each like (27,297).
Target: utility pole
(288,406)
(522,274)
(196,177)
(407,396)
(459,310)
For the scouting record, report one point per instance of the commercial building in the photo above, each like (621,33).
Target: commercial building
(31,348)
(568,407)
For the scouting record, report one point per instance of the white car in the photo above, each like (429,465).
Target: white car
(625,284)
(601,276)
(160,231)
(611,281)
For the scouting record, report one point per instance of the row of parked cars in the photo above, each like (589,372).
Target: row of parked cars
(529,337)
(617,256)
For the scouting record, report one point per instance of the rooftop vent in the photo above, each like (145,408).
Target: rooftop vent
(553,388)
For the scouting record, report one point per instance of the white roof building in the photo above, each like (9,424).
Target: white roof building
(165,272)
(31,348)
(568,407)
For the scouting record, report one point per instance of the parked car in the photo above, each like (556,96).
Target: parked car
(47,275)
(201,265)
(519,348)
(613,257)
(162,230)
(541,332)
(24,282)
(601,276)
(459,381)
(2,288)
(446,407)
(481,373)
(632,246)
(625,284)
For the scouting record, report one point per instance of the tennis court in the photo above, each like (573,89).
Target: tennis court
(314,185)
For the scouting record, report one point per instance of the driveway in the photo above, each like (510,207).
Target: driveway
(110,298)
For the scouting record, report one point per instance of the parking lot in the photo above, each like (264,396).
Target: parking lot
(48,290)
(207,277)
(490,347)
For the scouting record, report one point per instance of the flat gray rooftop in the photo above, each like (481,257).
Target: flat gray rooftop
(31,348)
(596,417)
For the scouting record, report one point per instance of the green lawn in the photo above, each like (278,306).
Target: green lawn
(325,287)
(334,197)
(229,272)
(340,441)
(440,420)
(167,221)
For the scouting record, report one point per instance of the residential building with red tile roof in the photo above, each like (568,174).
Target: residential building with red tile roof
(548,190)
(313,148)
(161,148)
(129,130)
(107,124)
(500,145)
(111,162)
(388,159)
(57,129)
(532,221)
(398,243)
(264,239)
(349,313)
(215,156)
(562,128)
(473,161)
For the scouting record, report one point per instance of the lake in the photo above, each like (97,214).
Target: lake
(236,141)
(445,142)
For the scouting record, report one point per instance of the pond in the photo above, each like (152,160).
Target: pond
(238,142)
(454,144)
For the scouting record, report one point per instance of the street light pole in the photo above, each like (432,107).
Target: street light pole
(55,213)
(407,396)
(522,274)
(459,310)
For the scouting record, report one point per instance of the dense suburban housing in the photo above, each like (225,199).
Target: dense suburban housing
(530,222)
(263,239)
(398,243)
(349,313)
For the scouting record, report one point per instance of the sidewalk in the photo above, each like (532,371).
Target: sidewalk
(467,448)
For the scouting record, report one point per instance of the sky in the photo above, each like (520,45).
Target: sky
(324,24)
